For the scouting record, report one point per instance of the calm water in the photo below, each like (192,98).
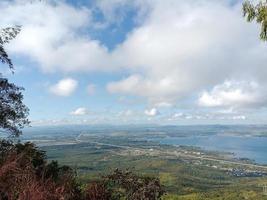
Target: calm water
(254,148)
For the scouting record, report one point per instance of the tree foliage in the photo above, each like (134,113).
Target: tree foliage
(13,113)
(257,13)
(6,35)
(26,174)
(133,187)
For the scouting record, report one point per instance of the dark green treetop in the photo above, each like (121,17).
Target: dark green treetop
(13,113)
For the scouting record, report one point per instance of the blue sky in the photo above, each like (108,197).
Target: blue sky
(142,61)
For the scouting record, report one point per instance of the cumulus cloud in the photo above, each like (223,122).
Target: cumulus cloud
(177,49)
(234,95)
(80,111)
(183,116)
(64,87)
(156,91)
(125,113)
(239,117)
(164,104)
(177,53)
(52,35)
(152,112)
(210,116)
(178,115)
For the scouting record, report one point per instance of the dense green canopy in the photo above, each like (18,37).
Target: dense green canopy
(13,113)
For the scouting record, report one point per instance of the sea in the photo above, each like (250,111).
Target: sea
(251,147)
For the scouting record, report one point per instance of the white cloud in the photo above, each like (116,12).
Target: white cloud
(64,87)
(188,116)
(178,115)
(52,35)
(177,49)
(125,113)
(180,48)
(164,104)
(156,91)
(206,116)
(152,112)
(234,95)
(239,117)
(91,89)
(80,112)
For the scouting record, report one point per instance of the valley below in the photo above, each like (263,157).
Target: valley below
(177,155)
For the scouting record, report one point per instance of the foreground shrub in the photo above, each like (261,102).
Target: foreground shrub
(97,191)
(135,187)
(25,174)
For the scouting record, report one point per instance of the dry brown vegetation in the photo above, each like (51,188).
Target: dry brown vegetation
(26,175)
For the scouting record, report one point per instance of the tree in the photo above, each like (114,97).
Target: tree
(13,113)
(6,35)
(26,174)
(258,13)
(129,186)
